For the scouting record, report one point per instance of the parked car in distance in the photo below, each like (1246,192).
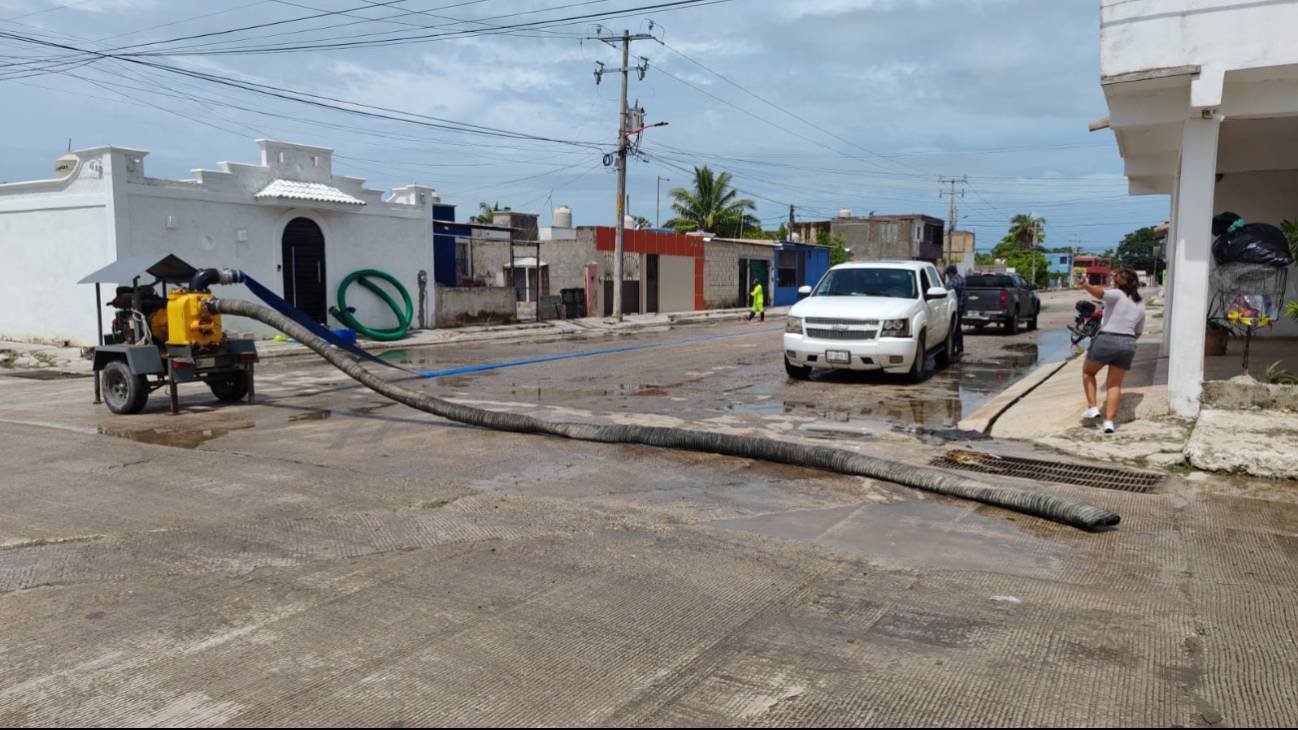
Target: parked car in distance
(886,316)
(1001,298)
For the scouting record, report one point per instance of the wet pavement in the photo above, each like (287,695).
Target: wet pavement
(327,558)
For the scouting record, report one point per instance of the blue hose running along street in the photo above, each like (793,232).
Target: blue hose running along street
(533,361)
(277,303)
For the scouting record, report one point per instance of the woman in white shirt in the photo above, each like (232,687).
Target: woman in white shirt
(1115,345)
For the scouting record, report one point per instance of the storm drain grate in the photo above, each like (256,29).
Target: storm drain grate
(1050,471)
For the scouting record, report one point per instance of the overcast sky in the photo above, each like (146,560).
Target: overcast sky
(822,104)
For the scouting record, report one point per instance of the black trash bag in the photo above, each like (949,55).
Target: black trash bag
(1255,243)
(1221,223)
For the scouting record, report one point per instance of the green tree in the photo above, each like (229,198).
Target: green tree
(1137,249)
(488,214)
(838,253)
(984,259)
(1021,261)
(1026,231)
(642,223)
(711,206)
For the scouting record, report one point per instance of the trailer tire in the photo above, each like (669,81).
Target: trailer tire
(124,392)
(230,387)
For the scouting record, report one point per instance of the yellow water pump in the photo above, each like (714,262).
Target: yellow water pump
(187,322)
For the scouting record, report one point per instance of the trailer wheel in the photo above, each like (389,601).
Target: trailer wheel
(231,387)
(124,392)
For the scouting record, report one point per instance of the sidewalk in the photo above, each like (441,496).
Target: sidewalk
(1045,408)
(1244,428)
(28,356)
(528,331)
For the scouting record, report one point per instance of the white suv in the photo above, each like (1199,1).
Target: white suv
(872,316)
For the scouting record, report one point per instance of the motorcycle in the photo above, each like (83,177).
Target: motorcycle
(1087,323)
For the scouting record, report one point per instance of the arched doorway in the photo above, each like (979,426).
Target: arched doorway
(304,268)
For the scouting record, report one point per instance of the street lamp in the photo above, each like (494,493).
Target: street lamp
(658,200)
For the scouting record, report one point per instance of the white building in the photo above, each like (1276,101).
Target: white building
(289,222)
(1203,100)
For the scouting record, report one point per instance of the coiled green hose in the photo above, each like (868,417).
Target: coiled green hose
(344,314)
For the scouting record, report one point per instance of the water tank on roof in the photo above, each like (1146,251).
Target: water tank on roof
(65,165)
(844,212)
(628,222)
(563,217)
(796,237)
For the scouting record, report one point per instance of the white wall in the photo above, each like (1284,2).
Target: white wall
(52,234)
(55,232)
(1264,197)
(1218,35)
(206,231)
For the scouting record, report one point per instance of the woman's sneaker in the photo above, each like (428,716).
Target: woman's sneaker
(1108,427)
(1090,413)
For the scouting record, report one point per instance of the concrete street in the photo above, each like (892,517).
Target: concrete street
(328,558)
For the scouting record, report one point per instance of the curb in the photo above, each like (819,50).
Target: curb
(985,418)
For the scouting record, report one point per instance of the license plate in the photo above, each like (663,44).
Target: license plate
(204,362)
(838,356)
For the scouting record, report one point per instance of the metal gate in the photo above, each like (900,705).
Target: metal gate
(304,268)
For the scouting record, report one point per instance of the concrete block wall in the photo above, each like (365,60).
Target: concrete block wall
(720,276)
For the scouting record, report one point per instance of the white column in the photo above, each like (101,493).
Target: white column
(1195,192)
(1169,248)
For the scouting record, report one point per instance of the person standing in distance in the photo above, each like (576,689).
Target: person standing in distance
(1115,345)
(956,283)
(759,301)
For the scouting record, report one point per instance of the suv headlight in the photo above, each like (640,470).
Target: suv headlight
(793,325)
(896,328)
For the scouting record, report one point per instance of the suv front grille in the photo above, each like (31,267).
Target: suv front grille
(841,334)
(849,322)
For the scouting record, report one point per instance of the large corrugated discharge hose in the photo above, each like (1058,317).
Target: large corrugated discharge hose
(840,461)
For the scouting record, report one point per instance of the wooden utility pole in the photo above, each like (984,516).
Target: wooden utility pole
(952,218)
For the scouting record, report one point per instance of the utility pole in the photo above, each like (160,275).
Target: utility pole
(950,235)
(1077,247)
(658,201)
(623,131)
(791,219)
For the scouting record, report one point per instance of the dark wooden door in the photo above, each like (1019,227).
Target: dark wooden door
(304,268)
(651,283)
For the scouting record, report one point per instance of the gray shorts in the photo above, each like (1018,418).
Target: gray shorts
(1114,350)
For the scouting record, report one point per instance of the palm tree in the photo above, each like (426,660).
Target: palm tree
(1027,230)
(711,206)
(488,214)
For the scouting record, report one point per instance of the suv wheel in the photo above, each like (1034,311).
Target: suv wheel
(1012,324)
(797,372)
(1032,323)
(919,368)
(946,358)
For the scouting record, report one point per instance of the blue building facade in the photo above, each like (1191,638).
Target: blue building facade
(797,265)
(1060,267)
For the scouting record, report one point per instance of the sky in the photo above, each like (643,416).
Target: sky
(819,104)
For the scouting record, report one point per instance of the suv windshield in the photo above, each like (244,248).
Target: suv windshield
(897,283)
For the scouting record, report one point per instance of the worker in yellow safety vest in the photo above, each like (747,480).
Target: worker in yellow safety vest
(759,301)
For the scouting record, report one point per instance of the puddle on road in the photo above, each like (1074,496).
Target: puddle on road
(939,403)
(181,439)
(311,416)
(928,532)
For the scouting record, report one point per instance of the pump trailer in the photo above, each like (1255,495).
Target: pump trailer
(163,337)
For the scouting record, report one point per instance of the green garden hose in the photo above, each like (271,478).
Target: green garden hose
(344,314)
